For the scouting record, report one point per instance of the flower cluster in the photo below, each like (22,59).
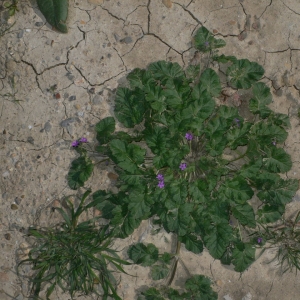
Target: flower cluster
(76,143)
(237,121)
(182,166)
(189,136)
(161,183)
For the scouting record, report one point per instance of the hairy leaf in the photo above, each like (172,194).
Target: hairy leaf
(243,256)
(142,254)
(205,41)
(199,287)
(270,213)
(261,97)
(104,129)
(55,12)
(210,82)
(192,243)
(217,239)
(245,214)
(243,73)
(159,271)
(277,160)
(166,71)
(127,157)
(130,106)
(141,79)
(80,171)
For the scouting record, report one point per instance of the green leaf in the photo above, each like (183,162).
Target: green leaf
(166,71)
(141,79)
(270,213)
(157,138)
(224,59)
(199,109)
(280,120)
(166,258)
(205,41)
(152,294)
(130,106)
(261,97)
(279,192)
(245,214)
(238,136)
(217,238)
(55,12)
(243,73)
(104,129)
(236,189)
(139,204)
(266,133)
(159,272)
(192,243)
(243,256)
(128,157)
(176,92)
(142,254)
(210,81)
(277,160)
(156,97)
(199,191)
(192,71)
(200,288)
(80,171)
(251,170)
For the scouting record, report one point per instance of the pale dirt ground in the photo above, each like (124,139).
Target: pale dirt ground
(104,43)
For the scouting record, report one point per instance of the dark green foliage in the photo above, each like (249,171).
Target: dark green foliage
(197,287)
(194,166)
(55,12)
(74,256)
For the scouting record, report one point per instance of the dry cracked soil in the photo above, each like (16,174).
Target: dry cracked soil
(55,87)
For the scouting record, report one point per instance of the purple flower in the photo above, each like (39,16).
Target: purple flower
(206,44)
(182,166)
(83,140)
(75,143)
(160,177)
(188,136)
(274,143)
(161,184)
(237,121)
(259,240)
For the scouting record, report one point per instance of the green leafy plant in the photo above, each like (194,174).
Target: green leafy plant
(12,7)
(55,12)
(204,171)
(73,255)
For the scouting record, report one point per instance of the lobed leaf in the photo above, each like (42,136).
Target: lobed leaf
(243,73)
(104,129)
(245,214)
(192,243)
(142,254)
(243,256)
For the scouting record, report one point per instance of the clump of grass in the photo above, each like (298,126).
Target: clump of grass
(75,257)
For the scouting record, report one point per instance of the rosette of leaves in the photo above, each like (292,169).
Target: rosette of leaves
(229,157)
(73,256)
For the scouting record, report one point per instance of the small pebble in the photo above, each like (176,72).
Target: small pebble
(47,126)
(57,96)
(72,98)
(7,236)
(18,200)
(57,58)
(66,95)
(30,140)
(14,206)
(39,24)
(20,34)
(5,174)
(127,40)
(88,107)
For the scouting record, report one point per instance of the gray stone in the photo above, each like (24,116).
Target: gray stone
(20,34)
(39,24)
(30,140)
(67,122)
(127,40)
(47,126)
(72,98)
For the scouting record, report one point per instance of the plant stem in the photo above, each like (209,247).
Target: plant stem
(175,262)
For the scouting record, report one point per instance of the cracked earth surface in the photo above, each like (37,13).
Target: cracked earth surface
(65,84)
